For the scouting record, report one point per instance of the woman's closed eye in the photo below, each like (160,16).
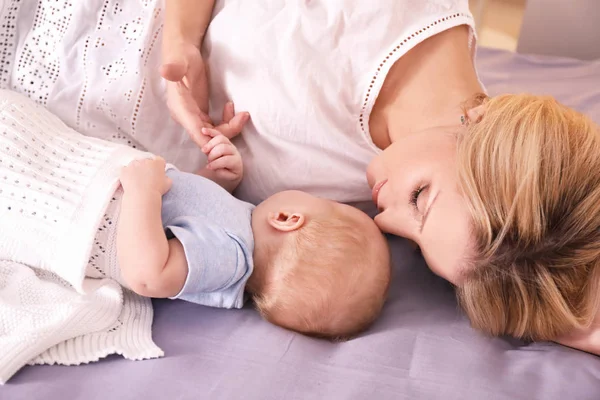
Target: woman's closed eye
(416,198)
(421,203)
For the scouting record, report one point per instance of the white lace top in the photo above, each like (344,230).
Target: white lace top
(308,72)
(94,64)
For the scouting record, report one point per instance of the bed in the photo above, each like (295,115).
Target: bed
(421,348)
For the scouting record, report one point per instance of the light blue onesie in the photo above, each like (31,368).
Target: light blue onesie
(216,232)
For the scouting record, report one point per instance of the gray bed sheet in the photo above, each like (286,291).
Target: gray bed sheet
(421,348)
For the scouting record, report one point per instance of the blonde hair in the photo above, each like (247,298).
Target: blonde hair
(530,171)
(330,279)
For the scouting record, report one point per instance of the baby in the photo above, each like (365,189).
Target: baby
(105,210)
(311,265)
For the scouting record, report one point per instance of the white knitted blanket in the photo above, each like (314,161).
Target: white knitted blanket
(54,187)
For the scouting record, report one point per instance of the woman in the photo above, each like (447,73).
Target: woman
(497,193)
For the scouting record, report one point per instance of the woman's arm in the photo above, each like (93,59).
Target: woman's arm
(186,21)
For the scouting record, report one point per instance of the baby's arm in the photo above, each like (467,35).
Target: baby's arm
(151,265)
(224,163)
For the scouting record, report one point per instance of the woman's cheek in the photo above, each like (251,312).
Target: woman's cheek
(381,222)
(371,172)
(392,222)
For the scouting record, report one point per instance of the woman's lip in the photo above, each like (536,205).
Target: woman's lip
(376,190)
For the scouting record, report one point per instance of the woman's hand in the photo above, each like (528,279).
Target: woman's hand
(187,95)
(231,126)
(187,87)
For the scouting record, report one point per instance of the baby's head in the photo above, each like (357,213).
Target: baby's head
(320,268)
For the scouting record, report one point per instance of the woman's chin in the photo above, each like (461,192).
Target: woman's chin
(371,180)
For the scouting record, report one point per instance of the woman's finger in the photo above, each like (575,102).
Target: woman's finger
(228,112)
(174,71)
(185,111)
(192,100)
(235,125)
(220,150)
(226,162)
(193,125)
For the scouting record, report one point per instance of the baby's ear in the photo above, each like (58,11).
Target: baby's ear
(475,114)
(285,221)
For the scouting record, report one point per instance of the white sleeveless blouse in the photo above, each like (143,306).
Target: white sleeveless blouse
(307,71)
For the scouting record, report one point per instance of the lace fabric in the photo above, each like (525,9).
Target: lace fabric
(94,64)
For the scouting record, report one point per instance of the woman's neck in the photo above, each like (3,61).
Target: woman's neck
(425,88)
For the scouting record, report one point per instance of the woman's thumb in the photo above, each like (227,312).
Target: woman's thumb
(173,71)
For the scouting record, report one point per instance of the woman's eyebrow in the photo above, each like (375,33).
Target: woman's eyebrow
(426,214)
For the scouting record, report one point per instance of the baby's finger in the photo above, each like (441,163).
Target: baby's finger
(220,150)
(207,148)
(132,164)
(212,132)
(226,162)
(226,174)
(228,112)
(158,164)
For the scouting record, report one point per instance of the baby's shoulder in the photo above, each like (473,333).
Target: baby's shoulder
(204,201)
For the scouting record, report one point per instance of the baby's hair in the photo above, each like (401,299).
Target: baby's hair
(329,280)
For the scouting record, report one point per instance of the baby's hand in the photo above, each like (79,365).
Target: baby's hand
(230,126)
(223,157)
(145,176)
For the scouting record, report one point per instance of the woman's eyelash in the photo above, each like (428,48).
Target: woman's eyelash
(414,196)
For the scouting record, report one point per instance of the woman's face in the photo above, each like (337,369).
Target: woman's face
(415,187)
